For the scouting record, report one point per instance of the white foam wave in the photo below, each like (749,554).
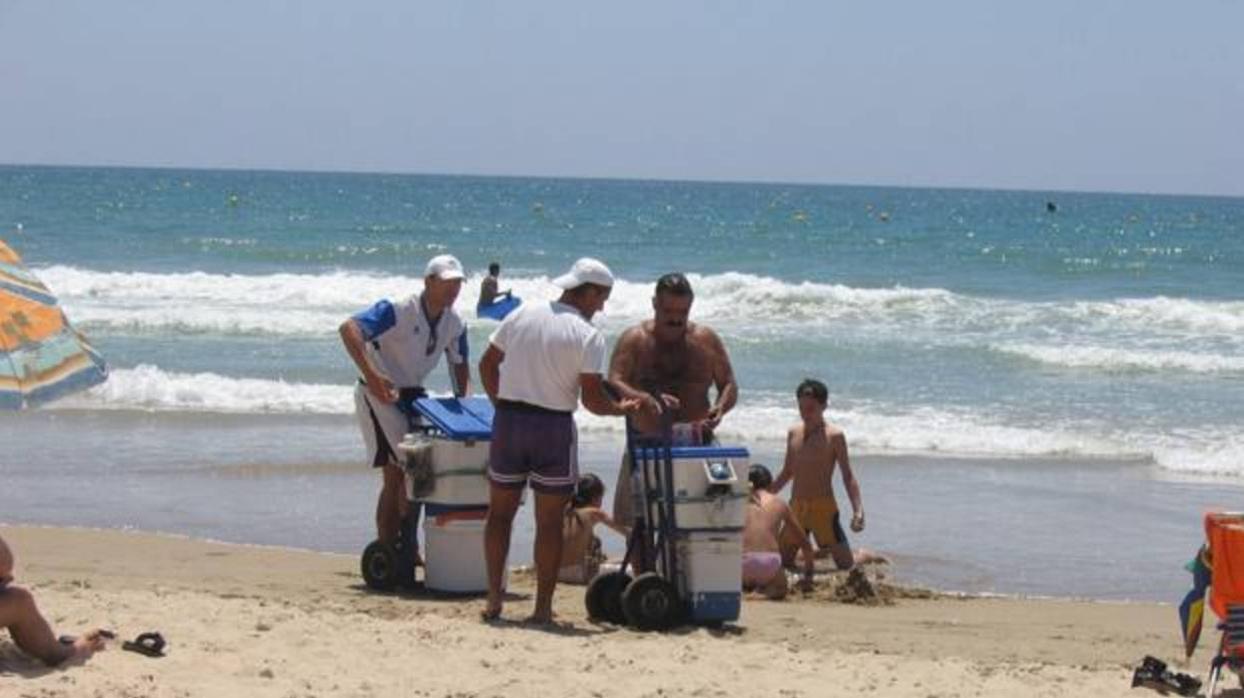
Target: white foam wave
(743,305)
(872,429)
(147,387)
(1202,454)
(1211,317)
(1122,360)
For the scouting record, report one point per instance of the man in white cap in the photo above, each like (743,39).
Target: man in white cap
(540,361)
(395,346)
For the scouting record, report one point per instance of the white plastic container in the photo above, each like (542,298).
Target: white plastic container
(453,553)
(703,500)
(460,469)
(725,511)
(711,562)
(711,574)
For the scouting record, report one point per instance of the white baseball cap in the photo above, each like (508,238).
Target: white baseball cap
(586,271)
(445,266)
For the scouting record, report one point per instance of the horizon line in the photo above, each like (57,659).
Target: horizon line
(602,178)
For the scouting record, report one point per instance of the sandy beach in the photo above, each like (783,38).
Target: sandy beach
(254,621)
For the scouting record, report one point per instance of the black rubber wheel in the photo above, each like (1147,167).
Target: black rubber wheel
(380,566)
(651,602)
(604,597)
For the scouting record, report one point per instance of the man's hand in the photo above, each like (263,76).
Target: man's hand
(633,405)
(713,418)
(857,522)
(381,388)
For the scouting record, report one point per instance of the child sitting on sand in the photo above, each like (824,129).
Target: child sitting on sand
(813,448)
(768,518)
(581,551)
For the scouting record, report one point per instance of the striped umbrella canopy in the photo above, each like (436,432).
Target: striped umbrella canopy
(42,357)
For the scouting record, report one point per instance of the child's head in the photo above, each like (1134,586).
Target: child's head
(590,492)
(759,476)
(813,398)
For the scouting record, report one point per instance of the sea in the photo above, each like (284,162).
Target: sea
(1042,392)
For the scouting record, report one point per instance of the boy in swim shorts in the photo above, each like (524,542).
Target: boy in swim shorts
(814,448)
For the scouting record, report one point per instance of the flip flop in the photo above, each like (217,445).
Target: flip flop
(150,644)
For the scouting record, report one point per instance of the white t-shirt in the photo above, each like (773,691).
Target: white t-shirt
(547,346)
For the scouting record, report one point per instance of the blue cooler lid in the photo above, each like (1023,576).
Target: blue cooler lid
(695,452)
(461,419)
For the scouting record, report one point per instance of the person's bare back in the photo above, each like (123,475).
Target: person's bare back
(768,521)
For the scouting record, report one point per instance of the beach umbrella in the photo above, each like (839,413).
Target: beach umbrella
(42,357)
(1192,609)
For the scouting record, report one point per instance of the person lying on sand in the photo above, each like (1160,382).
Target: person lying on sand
(581,550)
(30,631)
(767,517)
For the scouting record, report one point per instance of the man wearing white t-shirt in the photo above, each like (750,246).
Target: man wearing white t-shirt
(395,346)
(538,363)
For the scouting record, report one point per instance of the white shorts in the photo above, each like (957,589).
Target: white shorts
(393,424)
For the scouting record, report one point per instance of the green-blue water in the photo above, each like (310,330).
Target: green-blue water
(954,327)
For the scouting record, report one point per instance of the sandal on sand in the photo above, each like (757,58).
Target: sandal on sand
(150,644)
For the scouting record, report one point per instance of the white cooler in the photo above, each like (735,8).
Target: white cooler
(710,566)
(710,486)
(458,437)
(460,469)
(453,553)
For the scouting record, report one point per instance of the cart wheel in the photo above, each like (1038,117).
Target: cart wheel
(651,602)
(604,597)
(380,566)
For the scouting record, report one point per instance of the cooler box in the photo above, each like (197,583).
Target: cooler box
(453,549)
(458,435)
(711,569)
(710,485)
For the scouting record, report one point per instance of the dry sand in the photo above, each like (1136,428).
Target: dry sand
(250,621)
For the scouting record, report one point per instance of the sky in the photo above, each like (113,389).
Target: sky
(1111,95)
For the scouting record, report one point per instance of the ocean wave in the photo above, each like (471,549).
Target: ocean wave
(872,429)
(1124,360)
(147,387)
(739,305)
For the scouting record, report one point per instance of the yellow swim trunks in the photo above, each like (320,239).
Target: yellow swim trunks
(819,517)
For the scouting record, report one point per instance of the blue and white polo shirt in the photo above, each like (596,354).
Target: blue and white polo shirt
(403,347)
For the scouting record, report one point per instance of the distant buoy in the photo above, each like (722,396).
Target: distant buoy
(233,199)
(1051,207)
(884,216)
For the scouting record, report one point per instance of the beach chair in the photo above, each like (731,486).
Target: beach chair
(1224,532)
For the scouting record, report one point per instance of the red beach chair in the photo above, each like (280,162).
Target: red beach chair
(1225,533)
